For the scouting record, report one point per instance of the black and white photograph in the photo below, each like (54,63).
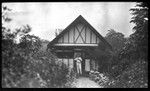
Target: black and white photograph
(74,44)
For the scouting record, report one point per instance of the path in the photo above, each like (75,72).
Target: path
(84,82)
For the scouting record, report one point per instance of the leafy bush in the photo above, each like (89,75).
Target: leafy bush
(22,70)
(24,65)
(135,76)
(100,78)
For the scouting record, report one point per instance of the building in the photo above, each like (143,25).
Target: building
(75,39)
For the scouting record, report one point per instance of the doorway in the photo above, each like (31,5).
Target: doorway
(83,61)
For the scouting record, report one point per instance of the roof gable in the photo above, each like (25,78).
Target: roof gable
(78,20)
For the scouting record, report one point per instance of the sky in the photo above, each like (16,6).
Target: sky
(45,18)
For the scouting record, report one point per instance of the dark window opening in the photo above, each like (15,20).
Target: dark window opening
(87,55)
(65,54)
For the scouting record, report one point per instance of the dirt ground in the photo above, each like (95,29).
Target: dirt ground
(84,82)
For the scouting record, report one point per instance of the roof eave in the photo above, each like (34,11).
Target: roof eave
(82,20)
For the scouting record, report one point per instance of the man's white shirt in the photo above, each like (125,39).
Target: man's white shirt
(78,60)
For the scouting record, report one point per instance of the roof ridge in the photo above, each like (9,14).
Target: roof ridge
(80,18)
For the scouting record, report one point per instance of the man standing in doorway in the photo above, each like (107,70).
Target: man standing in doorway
(78,60)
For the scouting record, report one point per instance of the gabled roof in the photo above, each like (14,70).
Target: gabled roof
(79,19)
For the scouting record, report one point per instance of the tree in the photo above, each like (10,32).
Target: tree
(140,36)
(136,45)
(134,52)
(12,59)
(115,39)
(25,65)
(30,43)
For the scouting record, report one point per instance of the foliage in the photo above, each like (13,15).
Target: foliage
(26,70)
(25,65)
(71,77)
(8,33)
(116,40)
(5,17)
(135,76)
(100,78)
(101,53)
(12,67)
(106,57)
(44,44)
(30,44)
(44,63)
(131,70)
(128,63)
(140,36)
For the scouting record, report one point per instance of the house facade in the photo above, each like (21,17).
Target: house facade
(74,40)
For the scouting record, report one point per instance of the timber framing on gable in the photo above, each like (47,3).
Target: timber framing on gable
(80,34)
(78,20)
